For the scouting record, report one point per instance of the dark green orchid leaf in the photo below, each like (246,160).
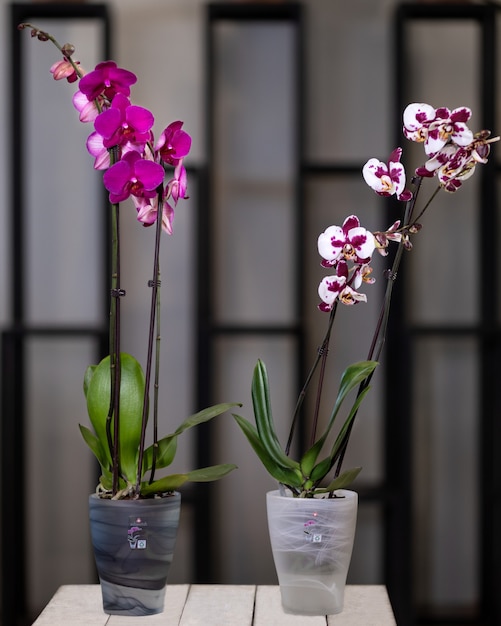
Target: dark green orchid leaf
(343,480)
(204,416)
(208,474)
(285,475)
(175,481)
(344,432)
(264,418)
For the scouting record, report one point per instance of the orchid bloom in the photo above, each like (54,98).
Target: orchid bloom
(124,123)
(177,186)
(436,127)
(96,148)
(453,164)
(147,211)
(340,286)
(351,242)
(87,109)
(133,175)
(173,144)
(107,79)
(329,289)
(64,69)
(387,179)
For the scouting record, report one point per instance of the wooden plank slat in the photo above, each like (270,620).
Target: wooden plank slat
(219,605)
(268,610)
(175,599)
(78,605)
(364,604)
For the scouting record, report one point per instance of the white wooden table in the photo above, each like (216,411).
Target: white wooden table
(217,605)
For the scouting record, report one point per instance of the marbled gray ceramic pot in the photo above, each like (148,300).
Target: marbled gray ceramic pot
(133,543)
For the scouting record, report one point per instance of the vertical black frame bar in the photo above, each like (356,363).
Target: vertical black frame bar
(487,331)
(13,522)
(207,330)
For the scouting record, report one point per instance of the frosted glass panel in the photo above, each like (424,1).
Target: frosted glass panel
(64,198)
(254,165)
(60,469)
(444,283)
(445,436)
(241,524)
(445,287)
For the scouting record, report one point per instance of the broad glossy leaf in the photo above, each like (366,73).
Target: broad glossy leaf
(94,444)
(131,408)
(166,452)
(164,485)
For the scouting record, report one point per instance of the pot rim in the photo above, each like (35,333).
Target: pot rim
(175,495)
(346,495)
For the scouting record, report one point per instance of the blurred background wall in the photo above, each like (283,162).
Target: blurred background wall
(349,75)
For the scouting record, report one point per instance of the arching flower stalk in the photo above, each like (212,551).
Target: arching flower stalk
(154,177)
(452,154)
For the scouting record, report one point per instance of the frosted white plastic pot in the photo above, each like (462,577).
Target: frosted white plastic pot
(312,541)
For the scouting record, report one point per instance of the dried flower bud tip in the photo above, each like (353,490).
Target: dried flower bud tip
(21,26)
(68,49)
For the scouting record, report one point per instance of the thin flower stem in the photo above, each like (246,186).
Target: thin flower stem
(155,287)
(156,389)
(321,353)
(114,339)
(426,206)
(48,37)
(379,337)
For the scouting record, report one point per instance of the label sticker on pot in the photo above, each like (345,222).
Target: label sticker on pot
(311,533)
(136,535)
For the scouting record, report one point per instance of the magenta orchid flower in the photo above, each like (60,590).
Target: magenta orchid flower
(133,176)
(387,179)
(147,211)
(87,109)
(173,144)
(124,123)
(96,148)
(176,188)
(351,242)
(64,69)
(107,79)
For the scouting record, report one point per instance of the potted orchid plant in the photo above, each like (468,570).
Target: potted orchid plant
(131,498)
(314,484)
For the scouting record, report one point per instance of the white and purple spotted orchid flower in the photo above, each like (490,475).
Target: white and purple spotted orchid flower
(387,179)
(349,249)
(436,127)
(350,242)
(452,164)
